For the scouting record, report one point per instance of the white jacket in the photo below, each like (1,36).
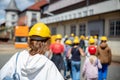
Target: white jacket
(37,67)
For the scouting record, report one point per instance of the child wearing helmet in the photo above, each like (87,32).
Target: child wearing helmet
(32,63)
(91,64)
(71,37)
(91,43)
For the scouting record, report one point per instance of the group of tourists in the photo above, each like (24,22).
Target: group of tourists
(97,57)
(66,52)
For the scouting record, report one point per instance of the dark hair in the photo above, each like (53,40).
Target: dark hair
(39,46)
(75,44)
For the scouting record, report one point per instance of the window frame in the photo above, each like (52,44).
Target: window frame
(113,28)
(82,31)
(73,28)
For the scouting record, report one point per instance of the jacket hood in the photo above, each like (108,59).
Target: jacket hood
(33,64)
(103,45)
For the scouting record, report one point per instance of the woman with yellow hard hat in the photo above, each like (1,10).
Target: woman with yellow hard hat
(67,61)
(76,53)
(33,64)
(71,37)
(82,42)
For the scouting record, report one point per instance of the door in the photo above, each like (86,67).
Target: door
(96,28)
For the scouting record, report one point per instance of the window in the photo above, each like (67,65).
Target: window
(21,39)
(85,13)
(53,30)
(34,15)
(115,28)
(82,29)
(73,29)
(79,14)
(13,23)
(91,11)
(74,15)
(13,16)
(44,8)
(64,29)
(33,21)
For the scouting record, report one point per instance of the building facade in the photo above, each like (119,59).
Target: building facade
(85,17)
(27,17)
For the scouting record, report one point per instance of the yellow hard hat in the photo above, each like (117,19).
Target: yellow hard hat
(75,41)
(86,38)
(68,42)
(40,29)
(91,37)
(58,36)
(91,41)
(72,34)
(103,38)
(82,37)
(76,37)
(95,37)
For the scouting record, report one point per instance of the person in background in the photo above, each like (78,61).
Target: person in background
(76,37)
(71,37)
(104,54)
(67,61)
(57,50)
(91,43)
(32,63)
(91,65)
(76,53)
(96,39)
(86,42)
(64,39)
(82,42)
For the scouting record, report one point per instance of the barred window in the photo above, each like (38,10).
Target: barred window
(82,29)
(115,27)
(73,29)
(64,29)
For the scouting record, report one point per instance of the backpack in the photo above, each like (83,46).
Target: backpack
(15,76)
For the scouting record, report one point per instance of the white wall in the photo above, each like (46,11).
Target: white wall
(103,7)
(29,15)
(9,18)
(115,47)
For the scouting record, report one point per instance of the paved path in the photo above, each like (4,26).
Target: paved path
(113,73)
(8,48)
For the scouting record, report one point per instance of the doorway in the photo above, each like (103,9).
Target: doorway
(96,28)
